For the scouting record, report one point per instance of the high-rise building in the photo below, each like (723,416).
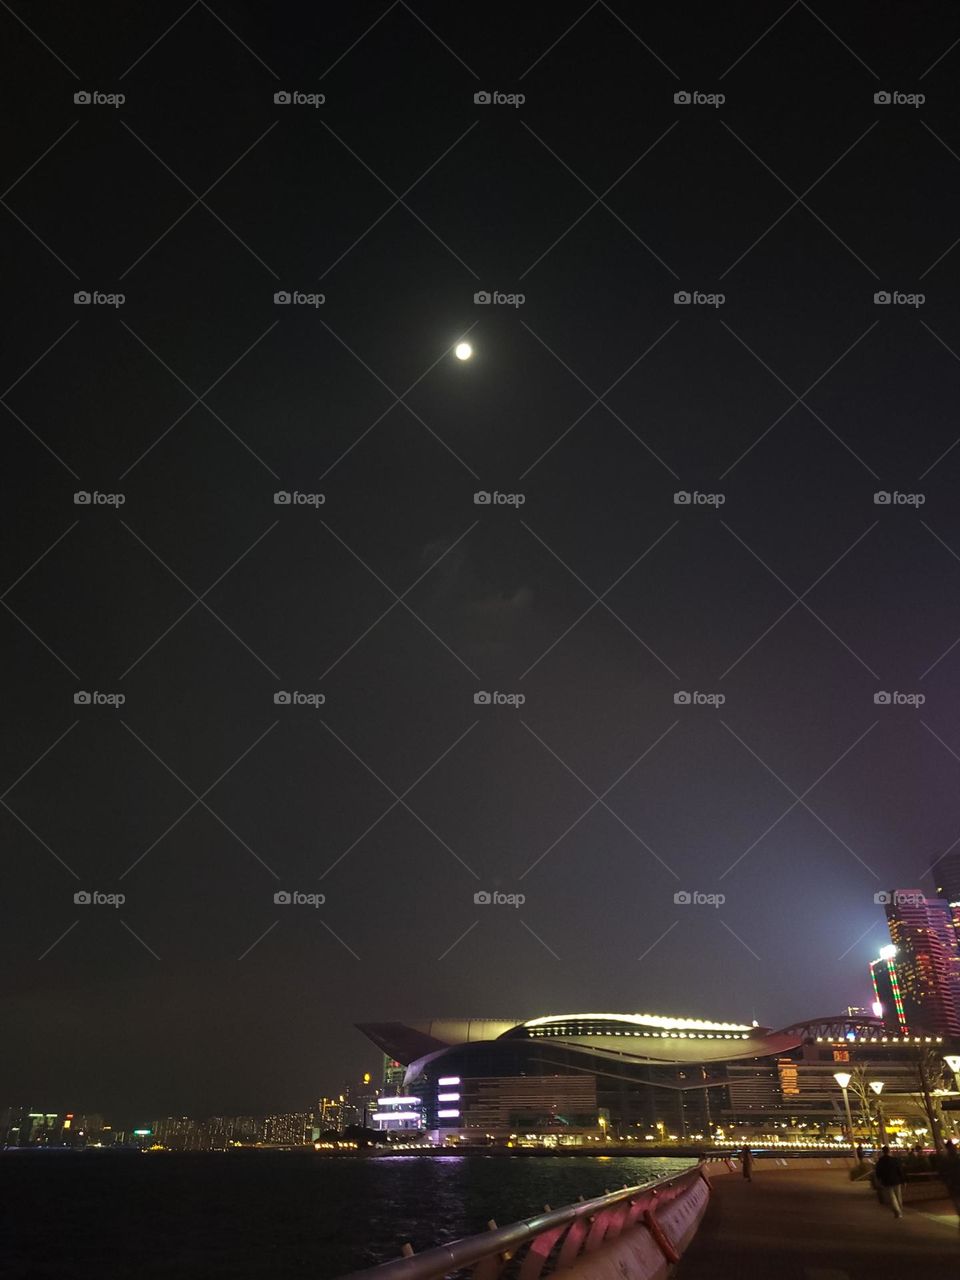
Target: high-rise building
(946,876)
(886,986)
(393,1073)
(927,963)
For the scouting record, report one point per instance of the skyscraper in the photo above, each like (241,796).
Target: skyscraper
(946,875)
(927,968)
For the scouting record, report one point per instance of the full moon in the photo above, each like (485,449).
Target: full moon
(463,351)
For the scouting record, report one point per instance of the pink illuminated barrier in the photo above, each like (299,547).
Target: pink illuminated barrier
(633,1234)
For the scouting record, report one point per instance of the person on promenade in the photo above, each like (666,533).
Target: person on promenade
(860,1152)
(889,1177)
(746,1159)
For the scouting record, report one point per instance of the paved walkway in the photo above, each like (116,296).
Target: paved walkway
(788,1225)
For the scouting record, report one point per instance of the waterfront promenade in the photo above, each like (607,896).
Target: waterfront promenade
(817,1225)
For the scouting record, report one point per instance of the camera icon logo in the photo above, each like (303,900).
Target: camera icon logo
(81,698)
(282,98)
(82,898)
(883,898)
(482,898)
(882,98)
(81,298)
(81,498)
(682,98)
(281,698)
(682,498)
(282,498)
(681,698)
(482,99)
(882,698)
(882,498)
(482,698)
(682,898)
(281,298)
(482,298)
(282,898)
(682,298)
(481,498)
(882,298)
(82,98)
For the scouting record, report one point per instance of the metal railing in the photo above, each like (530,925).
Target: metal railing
(554,1239)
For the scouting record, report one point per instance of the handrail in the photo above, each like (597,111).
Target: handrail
(444,1259)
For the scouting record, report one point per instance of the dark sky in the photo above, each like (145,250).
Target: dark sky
(597,399)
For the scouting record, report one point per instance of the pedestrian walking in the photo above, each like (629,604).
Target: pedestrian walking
(746,1160)
(889,1175)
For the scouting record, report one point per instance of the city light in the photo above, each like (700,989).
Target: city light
(449,1080)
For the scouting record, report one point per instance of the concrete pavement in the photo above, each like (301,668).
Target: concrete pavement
(818,1225)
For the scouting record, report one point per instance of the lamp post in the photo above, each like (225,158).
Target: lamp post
(877,1087)
(843,1079)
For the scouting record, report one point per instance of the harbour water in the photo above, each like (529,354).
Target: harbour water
(103,1216)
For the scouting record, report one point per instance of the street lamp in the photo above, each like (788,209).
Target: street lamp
(843,1079)
(877,1087)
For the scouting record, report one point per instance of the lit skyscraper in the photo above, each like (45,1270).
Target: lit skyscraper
(926,970)
(946,875)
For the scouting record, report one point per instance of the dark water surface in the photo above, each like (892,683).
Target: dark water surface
(102,1216)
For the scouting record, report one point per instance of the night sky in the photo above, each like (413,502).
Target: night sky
(598,599)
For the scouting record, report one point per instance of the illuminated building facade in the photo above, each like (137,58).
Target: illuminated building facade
(927,962)
(634,1076)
